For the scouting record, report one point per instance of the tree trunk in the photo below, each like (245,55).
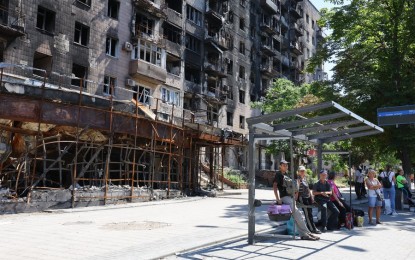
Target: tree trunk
(405,155)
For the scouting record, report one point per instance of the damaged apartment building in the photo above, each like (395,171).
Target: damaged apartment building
(109,101)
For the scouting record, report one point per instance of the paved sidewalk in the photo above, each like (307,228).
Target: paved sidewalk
(131,231)
(160,229)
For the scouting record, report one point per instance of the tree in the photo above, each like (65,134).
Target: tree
(373,42)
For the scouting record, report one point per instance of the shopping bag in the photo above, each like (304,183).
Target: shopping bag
(290,227)
(388,208)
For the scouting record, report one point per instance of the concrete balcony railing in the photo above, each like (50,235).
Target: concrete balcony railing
(173,81)
(215,69)
(270,6)
(174,17)
(150,7)
(146,71)
(192,87)
(267,49)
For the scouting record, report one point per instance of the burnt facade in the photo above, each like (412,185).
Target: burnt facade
(107,100)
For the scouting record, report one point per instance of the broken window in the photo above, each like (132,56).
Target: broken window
(175,5)
(172,33)
(111,46)
(113,9)
(149,52)
(212,115)
(241,72)
(229,118)
(170,96)
(144,25)
(242,3)
(242,122)
(242,47)
(229,67)
(193,15)
(81,74)
(241,96)
(85,2)
(45,20)
(242,24)
(192,43)
(81,34)
(229,93)
(110,83)
(142,94)
(42,63)
(173,65)
(192,74)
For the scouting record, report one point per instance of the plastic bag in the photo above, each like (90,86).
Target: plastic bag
(290,227)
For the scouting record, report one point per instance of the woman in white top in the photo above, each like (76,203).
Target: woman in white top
(373,185)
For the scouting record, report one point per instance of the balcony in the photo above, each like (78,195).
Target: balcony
(10,27)
(297,28)
(267,50)
(174,17)
(141,70)
(296,13)
(150,7)
(270,6)
(266,70)
(213,14)
(267,27)
(215,38)
(173,48)
(296,48)
(215,68)
(191,87)
(173,81)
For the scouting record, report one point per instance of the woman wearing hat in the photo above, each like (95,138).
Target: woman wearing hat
(306,197)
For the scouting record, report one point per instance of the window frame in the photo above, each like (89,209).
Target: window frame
(111,50)
(108,80)
(45,15)
(81,32)
(110,9)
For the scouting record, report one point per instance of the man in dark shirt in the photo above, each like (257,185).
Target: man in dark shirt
(322,192)
(283,197)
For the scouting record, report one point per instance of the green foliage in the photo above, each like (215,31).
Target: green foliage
(373,43)
(234,176)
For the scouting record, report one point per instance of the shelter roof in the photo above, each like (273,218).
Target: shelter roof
(321,123)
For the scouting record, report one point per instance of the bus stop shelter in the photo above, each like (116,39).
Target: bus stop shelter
(317,124)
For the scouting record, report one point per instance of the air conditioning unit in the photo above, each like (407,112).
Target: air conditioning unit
(128,46)
(130,82)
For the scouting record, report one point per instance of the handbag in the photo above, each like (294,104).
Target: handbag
(379,195)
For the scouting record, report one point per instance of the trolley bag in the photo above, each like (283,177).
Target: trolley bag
(279,212)
(349,220)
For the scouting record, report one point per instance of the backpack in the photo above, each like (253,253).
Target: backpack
(386,183)
(290,185)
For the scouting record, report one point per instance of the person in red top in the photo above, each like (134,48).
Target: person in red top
(338,200)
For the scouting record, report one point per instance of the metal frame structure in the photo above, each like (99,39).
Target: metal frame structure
(101,149)
(321,123)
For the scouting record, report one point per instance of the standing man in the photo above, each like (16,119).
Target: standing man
(322,192)
(358,185)
(282,197)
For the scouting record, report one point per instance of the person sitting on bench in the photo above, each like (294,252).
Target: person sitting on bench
(403,185)
(322,192)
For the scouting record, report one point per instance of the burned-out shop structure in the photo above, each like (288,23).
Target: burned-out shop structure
(106,101)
